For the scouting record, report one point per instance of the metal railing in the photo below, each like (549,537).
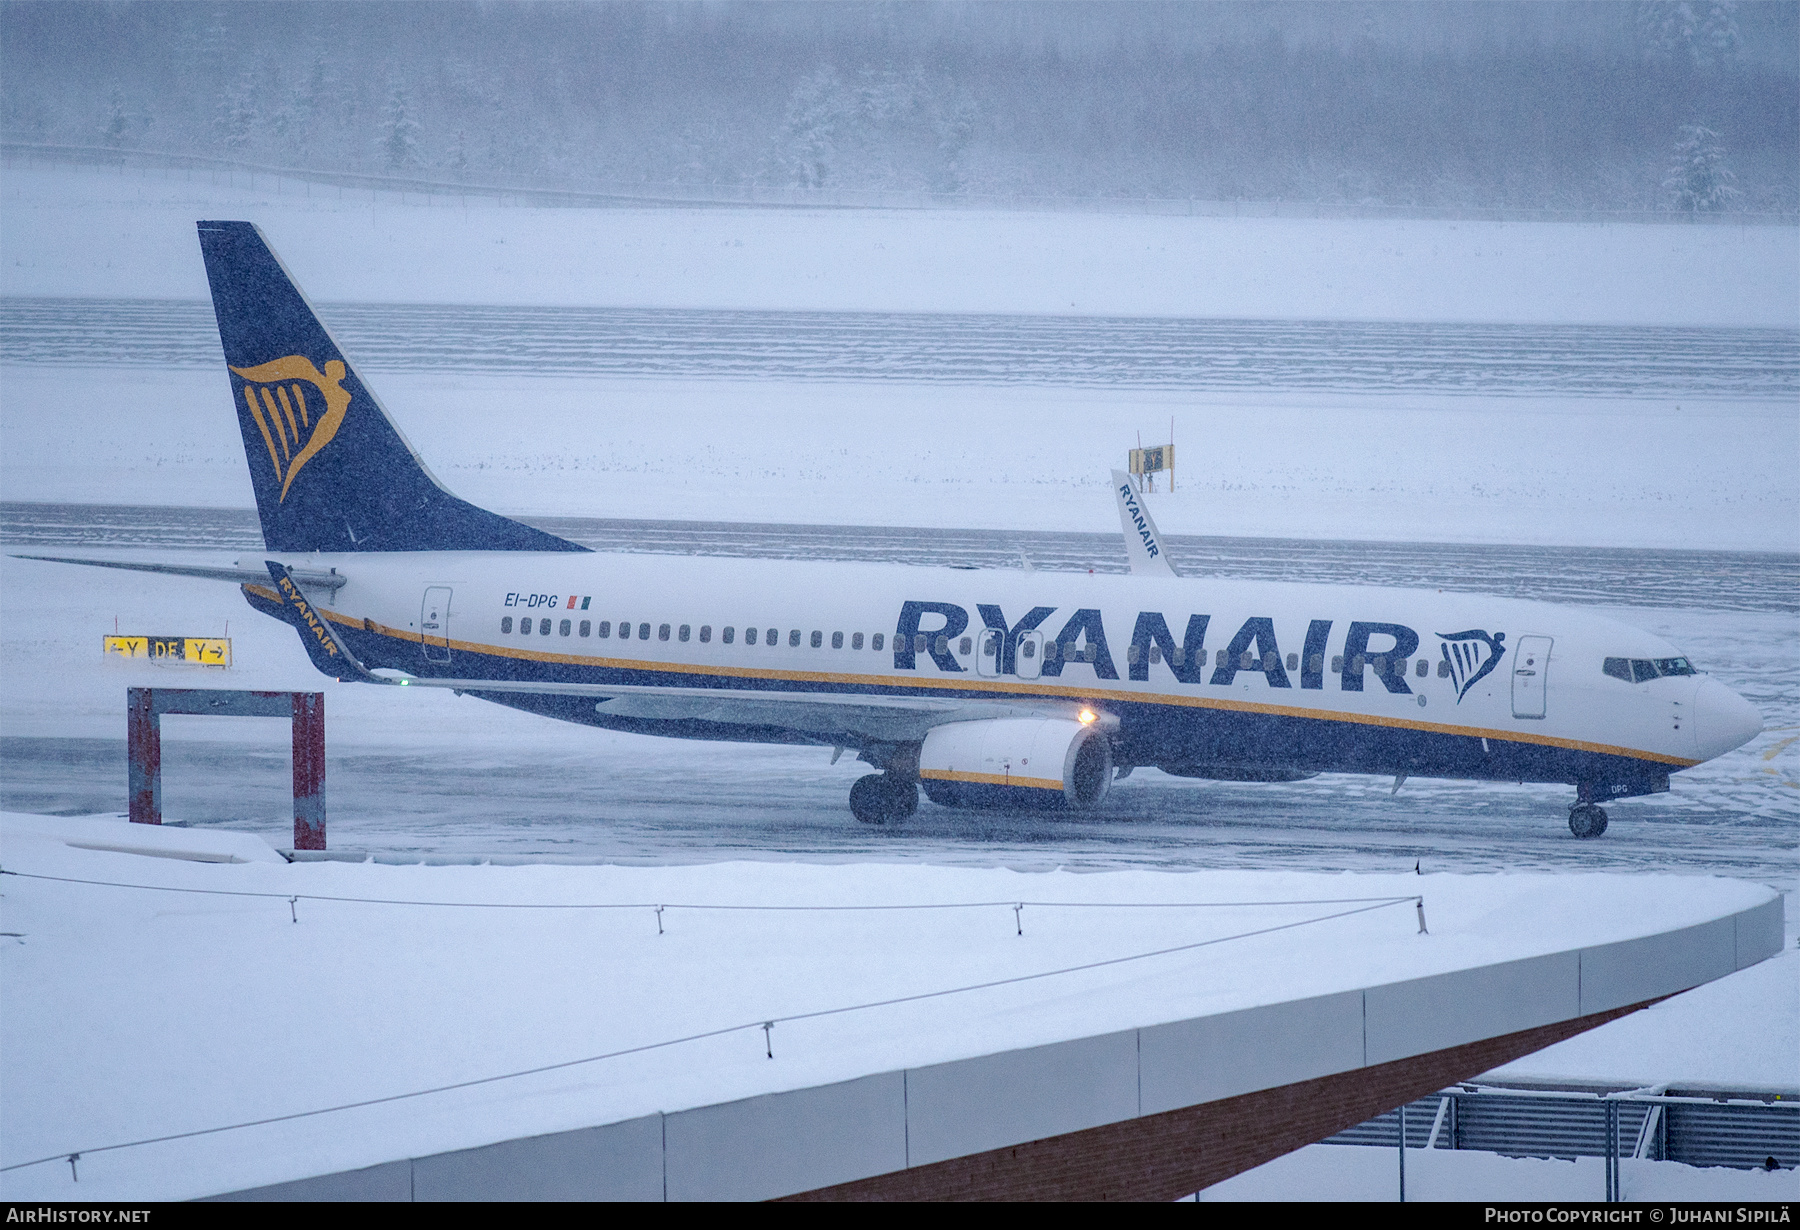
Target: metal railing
(1695,1127)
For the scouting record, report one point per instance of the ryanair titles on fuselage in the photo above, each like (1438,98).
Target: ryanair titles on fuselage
(1384,650)
(1369,646)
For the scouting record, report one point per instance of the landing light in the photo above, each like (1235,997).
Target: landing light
(1088,716)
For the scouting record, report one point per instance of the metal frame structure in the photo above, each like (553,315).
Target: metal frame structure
(144,710)
(1740,1129)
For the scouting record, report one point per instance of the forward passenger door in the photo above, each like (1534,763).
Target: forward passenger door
(1531,675)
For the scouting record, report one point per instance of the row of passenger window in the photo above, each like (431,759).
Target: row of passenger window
(685,632)
(965,645)
(1316,664)
(1638,670)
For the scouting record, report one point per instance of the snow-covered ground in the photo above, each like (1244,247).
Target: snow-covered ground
(1660,472)
(1739,1033)
(1696,1039)
(435,775)
(1702,471)
(446,776)
(1708,474)
(116,234)
(144,1012)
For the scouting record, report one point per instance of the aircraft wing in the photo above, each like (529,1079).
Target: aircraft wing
(825,713)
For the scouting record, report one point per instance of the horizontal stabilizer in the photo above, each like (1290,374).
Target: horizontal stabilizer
(307,578)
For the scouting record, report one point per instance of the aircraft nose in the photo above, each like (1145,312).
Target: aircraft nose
(1723,719)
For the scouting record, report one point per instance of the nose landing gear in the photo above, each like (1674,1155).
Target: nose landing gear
(1587,820)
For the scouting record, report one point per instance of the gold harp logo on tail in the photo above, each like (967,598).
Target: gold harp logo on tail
(293,427)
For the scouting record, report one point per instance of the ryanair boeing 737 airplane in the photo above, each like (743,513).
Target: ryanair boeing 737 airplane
(982,688)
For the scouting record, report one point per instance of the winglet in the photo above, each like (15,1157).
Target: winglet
(1143,542)
(329,654)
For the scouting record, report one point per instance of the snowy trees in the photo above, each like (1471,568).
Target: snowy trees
(953,124)
(117,122)
(1701,35)
(237,113)
(1702,32)
(1699,180)
(457,161)
(399,132)
(809,129)
(1571,105)
(886,128)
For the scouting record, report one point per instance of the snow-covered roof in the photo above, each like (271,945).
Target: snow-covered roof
(918,1013)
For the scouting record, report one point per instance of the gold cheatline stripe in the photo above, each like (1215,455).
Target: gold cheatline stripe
(991,779)
(1005,690)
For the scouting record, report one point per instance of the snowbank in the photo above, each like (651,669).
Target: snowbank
(1741,1032)
(104,233)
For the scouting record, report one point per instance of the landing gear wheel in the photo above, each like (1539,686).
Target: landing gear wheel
(881,799)
(867,799)
(1587,820)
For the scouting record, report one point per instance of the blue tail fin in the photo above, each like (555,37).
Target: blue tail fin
(331,472)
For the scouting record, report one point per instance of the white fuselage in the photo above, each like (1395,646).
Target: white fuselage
(1311,677)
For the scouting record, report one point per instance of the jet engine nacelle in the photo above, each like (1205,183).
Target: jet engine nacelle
(1016,762)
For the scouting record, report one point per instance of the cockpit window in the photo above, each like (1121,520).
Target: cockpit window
(1639,670)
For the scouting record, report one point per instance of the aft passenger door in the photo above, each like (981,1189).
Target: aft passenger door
(434,624)
(1531,672)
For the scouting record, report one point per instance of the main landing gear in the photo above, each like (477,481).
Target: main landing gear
(882,798)
(1587,820)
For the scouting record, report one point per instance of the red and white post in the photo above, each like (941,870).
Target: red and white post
(144,709)
(309,770)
